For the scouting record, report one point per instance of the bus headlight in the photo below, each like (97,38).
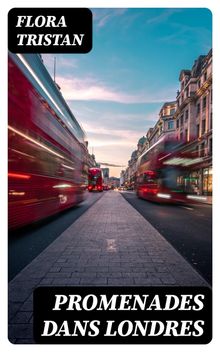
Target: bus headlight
(164,195)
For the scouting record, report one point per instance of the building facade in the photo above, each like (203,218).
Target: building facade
(164,125)
(188,119)
(89,161)
(105,172)
(131,171)
(194,119)
(122,177)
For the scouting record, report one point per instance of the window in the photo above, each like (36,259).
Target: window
(177,123)
(172,111)
(210,97)
(210,146)
(197,130)
(198,108)
(186,115)
(186,134)
(181,120)
(202,149)
(199,84)
(203,126)
(181,136)
(170,125)
(205,76)
(204,103)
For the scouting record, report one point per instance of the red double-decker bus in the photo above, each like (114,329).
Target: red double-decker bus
(45,144)
(163,172)
(95,179)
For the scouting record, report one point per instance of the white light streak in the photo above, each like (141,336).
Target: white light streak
(183,161)
(68,167)
(34,141)
(196,197)
(39,82)
(164,195)
(63,185)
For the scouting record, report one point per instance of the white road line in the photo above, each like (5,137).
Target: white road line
(187,208)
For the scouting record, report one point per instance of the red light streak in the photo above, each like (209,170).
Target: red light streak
(21,176)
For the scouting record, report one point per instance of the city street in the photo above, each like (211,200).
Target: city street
(187,227)
(110,244)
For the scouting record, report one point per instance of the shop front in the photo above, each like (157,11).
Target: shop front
(207,181)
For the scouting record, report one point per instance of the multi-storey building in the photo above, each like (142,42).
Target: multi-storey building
(89,161)
(131,171)
(105,172)
(194,118)
(122,177)
(132,168)
(165,124)
(189,119)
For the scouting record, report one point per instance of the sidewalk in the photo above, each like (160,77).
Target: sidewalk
(111,244)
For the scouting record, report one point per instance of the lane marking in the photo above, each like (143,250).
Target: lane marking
(186,207)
